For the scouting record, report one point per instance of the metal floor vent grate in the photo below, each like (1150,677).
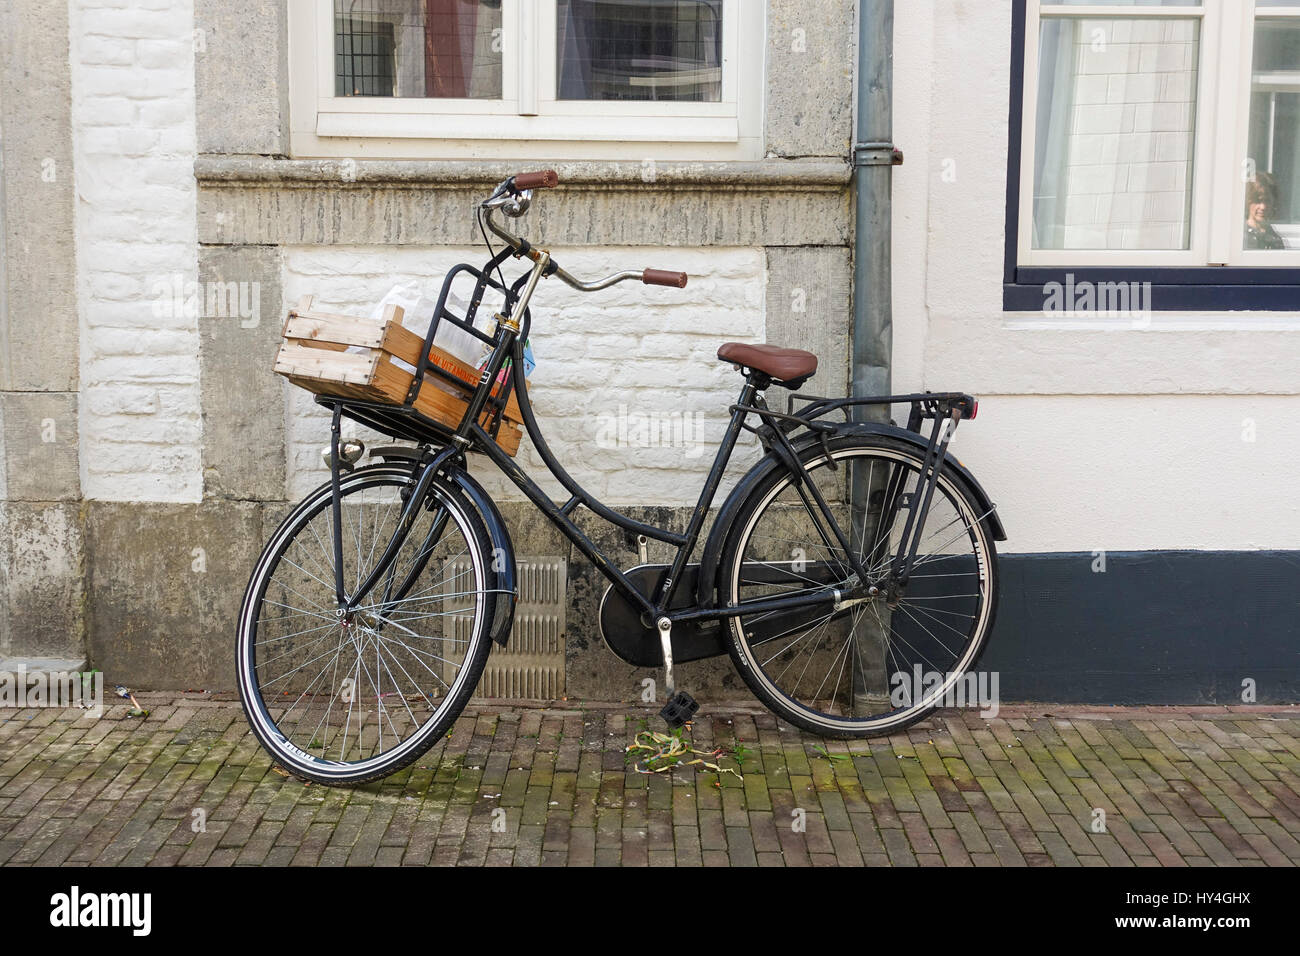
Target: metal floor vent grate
(531,665)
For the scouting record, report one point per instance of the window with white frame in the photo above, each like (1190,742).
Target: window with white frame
(1160,133)
(461,77)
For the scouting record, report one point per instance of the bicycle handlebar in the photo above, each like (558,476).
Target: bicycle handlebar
(660,277)
(518,186)
(542,179)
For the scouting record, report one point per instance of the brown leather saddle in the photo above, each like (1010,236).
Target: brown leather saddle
(787,367)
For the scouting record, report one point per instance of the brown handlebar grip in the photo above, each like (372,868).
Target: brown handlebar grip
(660,277)
(542,179)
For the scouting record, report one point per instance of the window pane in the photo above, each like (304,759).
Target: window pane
(1116,115)
(427,48)
(639,50)
(1272,198)
(1125,3)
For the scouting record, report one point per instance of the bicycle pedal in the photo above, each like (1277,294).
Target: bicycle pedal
(680,708)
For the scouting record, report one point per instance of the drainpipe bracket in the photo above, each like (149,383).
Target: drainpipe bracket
(877,154)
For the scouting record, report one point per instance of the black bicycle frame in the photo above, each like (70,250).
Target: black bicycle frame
(470,435)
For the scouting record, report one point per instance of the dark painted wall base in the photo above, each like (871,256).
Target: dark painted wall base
(1155,627)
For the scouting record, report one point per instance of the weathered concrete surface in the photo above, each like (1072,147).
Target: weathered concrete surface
(392,216)
(164,586)
(42,558)
(156,622)
(39,446)
(459,173)
(809,307)
(811,53)
(40,335)
(242,403)
(241,76)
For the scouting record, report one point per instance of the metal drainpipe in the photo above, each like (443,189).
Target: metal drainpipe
(874,157)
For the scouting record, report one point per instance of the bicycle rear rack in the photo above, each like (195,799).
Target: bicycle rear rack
(946,409)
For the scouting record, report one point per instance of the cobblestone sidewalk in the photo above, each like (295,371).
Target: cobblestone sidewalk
(522,786)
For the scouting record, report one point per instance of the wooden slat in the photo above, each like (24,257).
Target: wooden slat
(348,367)
(437,404)
(334,328)
(314,356)
(406,345)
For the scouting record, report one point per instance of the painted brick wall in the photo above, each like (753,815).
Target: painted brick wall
(134,143)
(604,359)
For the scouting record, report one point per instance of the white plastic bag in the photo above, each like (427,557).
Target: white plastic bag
(417,313)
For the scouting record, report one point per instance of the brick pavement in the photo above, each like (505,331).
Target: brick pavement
(550,785)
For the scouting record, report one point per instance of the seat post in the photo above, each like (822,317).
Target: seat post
(755,382)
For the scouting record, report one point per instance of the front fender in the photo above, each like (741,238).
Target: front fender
(505,578)
(712,554)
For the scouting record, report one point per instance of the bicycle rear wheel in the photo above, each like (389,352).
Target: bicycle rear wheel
(345,701)
(873,667)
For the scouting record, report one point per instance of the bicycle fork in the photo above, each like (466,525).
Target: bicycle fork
(417,492)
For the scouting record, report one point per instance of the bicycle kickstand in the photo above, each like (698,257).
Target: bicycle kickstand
(681,706)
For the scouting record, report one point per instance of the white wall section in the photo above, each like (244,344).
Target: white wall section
(612,365)
(134,146)
(1171,430)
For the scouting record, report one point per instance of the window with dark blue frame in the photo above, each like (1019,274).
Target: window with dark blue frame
(1154,156)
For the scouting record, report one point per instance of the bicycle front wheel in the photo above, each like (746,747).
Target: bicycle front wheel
(876,666)
(343,701)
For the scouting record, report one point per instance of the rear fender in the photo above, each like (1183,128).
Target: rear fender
(711,557)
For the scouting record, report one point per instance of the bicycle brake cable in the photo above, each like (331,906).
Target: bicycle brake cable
(492,253)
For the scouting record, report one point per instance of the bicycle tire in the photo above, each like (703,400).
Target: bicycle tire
(741,643)
(296,757)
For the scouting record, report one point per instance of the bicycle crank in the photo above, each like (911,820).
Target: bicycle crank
(681,706)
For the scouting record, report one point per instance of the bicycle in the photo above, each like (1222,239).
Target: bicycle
(855,556)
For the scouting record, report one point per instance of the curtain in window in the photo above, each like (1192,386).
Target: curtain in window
(1055,112)
(450,28)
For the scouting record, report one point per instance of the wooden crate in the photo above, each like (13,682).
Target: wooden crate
(314,356)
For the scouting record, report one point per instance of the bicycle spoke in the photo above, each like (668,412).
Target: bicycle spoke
(805,666)
(338,677)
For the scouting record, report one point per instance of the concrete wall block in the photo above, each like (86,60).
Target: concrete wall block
(592,670)
(367,215)
(40,327)
(242,400)
(809,306)
(811,56)
(41,591)
(40,446)
(165,584)
(241,76)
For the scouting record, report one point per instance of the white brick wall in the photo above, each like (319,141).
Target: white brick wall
(648,348)
(134,147)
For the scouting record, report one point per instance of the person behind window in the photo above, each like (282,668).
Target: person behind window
(1261,200)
